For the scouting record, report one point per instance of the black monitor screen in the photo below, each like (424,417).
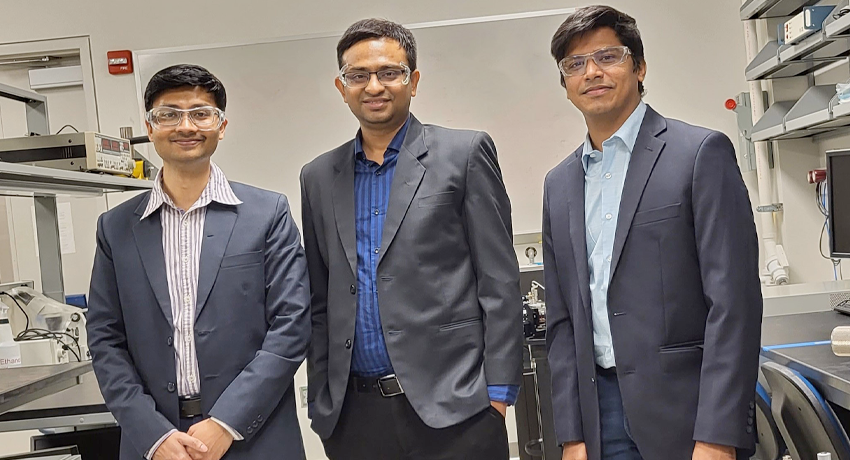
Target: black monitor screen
(838,181)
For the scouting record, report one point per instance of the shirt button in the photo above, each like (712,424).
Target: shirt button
(376,212)
(592,155)
(192,378)
(609,259)
(185,223)
(377,250)
(607,175)
(352,290)
(348,344)
(608,216)
(378,173)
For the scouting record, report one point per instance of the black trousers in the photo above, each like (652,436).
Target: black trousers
(372,427)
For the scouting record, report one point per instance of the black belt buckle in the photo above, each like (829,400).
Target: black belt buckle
(190,407)
(390,386)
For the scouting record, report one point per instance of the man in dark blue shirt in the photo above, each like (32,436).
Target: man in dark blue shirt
(417,327)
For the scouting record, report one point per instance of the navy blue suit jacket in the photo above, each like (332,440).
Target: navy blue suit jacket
(252,324)
(684,300)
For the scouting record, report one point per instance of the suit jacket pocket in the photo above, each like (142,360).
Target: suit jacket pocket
(656,214)
(238,260)
(437,199)
(680,357)
(460,324)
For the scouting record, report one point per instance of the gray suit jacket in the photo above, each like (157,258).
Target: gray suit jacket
(252,324)
(448,282)
(684,301)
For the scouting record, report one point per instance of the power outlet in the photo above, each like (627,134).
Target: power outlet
(303,392)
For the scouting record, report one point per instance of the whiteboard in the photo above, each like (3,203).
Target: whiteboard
(491,73)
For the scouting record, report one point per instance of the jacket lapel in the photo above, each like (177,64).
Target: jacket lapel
(148,235)
(343,203)
(578,233)
(644,155)
(408,174)
(218,226)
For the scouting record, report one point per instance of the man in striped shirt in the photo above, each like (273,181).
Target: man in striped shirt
(199,315)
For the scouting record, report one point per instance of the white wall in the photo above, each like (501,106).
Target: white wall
(703,35)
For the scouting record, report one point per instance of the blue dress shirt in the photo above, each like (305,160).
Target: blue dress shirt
(604,176)
(372,184)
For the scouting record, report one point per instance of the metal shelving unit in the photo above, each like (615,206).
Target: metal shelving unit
(767,65)
(817,111)
(811,110)
(839,27)
(816,48)
(44,185)
(761,9)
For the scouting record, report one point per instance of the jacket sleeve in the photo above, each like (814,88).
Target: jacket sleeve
(560,344)
(317,357)
(252,396)
(727,249)
(487,211)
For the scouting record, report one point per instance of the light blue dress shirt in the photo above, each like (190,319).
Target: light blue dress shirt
(604,176)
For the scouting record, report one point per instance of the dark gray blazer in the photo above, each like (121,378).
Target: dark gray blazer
(448,281)
(684,301)
(252,324)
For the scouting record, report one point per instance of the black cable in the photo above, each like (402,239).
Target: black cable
(819,199)
(37,333)
(19,306)
(820,240)
(67,126)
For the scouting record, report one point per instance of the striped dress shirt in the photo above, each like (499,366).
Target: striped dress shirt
(182,237)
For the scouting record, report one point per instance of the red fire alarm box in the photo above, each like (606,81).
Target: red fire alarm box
(120,62)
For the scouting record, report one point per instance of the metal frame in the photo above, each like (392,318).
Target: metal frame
(36,104)
(76,46)
(88,421)
(6,286)
(44,184)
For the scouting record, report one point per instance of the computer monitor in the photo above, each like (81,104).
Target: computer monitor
(838,190)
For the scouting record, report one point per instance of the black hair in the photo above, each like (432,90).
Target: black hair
(590,18)
(181,76)
(366,29)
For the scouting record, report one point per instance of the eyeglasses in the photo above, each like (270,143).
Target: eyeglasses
(386,77)
(572,66)
(205,118)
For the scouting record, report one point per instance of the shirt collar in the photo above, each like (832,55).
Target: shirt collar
(395,144)
(627,133)
(218,189)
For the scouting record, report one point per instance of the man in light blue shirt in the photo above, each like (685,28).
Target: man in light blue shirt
(653,300)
